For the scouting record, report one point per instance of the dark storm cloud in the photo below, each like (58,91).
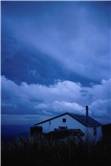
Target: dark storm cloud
(76,34)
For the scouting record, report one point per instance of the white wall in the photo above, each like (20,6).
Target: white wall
(70,123)
(55,123)
(90,134)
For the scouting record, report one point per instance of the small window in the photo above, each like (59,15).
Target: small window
(95,131)
(64,120)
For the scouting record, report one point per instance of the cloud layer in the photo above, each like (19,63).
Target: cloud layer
(65,41)
(75,34)
(63,96)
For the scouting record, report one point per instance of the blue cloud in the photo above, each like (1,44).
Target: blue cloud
(75,34)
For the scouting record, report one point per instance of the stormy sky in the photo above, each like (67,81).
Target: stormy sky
(56,57)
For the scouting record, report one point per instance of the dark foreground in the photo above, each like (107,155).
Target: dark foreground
(28,152)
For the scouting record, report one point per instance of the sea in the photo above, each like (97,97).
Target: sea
(14,126)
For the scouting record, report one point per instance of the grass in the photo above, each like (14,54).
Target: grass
(41,152)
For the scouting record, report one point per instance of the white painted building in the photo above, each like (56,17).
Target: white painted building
(91,129)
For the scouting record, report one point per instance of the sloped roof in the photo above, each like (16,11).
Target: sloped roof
(89,122)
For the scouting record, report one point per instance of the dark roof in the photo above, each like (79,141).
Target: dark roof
(89,122)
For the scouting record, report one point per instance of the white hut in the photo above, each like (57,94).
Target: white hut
(91,129)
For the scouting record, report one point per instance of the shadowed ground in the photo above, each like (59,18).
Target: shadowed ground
(30,152)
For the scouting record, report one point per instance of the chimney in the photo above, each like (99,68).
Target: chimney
(87,109)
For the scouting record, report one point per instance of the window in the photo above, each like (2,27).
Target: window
(64,120)
(95,131)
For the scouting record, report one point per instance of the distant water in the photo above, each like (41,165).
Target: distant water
(14,126)
(11,132)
